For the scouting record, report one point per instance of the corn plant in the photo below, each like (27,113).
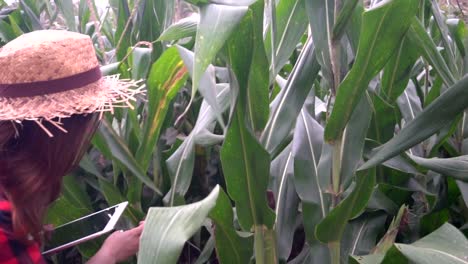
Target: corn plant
(291,131)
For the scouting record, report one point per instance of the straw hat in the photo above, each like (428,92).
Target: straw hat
(46,75)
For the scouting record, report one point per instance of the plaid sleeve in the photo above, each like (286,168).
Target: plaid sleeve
(12,251)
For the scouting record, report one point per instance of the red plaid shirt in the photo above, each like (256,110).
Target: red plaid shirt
(12,251)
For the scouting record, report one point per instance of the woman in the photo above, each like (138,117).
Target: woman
(52,96)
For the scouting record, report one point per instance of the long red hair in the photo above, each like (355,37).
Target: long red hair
(32,166)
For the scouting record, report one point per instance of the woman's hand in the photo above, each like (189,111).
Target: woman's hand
(119,246)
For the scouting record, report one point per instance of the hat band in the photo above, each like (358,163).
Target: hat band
(30,89)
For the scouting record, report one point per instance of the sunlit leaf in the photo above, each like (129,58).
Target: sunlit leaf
(168,228)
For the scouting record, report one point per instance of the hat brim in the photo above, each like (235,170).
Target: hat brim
(101,96)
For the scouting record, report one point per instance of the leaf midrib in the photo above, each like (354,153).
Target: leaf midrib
(440,252)
(247,170)
(322,203)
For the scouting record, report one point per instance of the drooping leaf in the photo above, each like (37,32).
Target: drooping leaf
(380,38)
(168,228)
(456,167)
(445,245)
(186,27)
(207,86)
(437,115)
(181,163)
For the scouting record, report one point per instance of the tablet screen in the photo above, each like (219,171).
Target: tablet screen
(79,229)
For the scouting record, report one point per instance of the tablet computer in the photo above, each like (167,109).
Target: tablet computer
(83,229)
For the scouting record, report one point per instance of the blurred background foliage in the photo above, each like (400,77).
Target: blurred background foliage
(287,131)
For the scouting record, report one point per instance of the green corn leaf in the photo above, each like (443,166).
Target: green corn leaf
(310,183)
(354,138)
(445,245)
(249,63)
(246,170)
(291,23)
(330,229)
(207,82)
(186,27)
(419,37)
(32,14)
(141,63)
(291,99)
(456,167)
(446,38)
(74,196)
(122,31)
(459,32)
(167,229)
(121,153)
(6,32)
(153,17)
(230,247)
(287,202)
(380,38)
(66,8)
(398,70)
(181,163)
(368,259)
(216,25)
(361,233)
(84,14)
(114,196)
(437,115)
(167,75)
(321,17)
(343,18)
